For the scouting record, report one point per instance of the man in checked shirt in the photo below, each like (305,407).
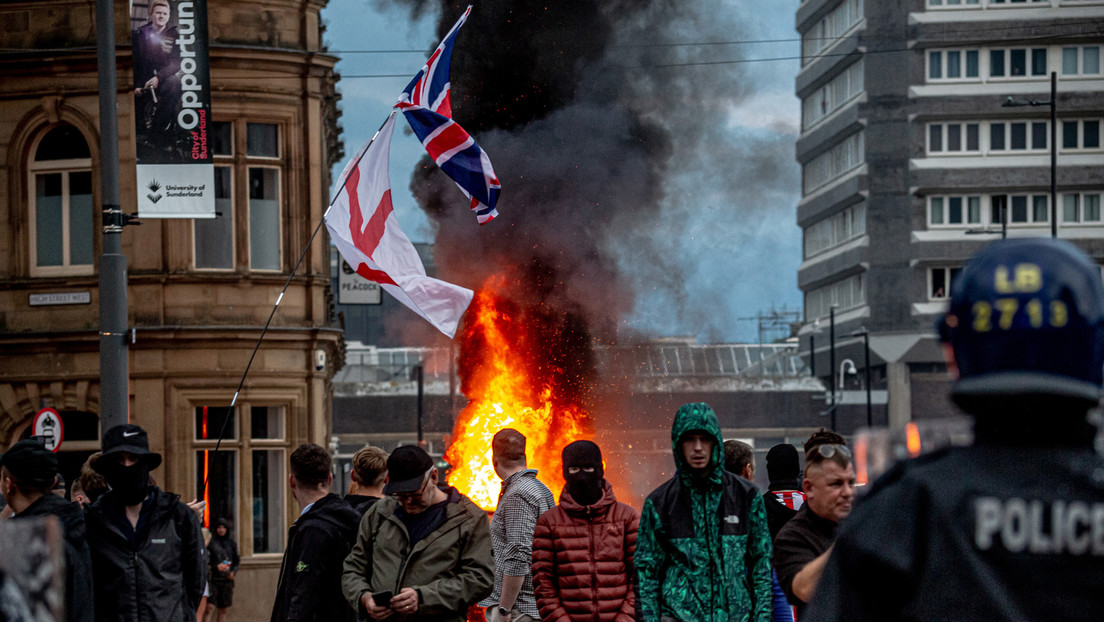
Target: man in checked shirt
(522,500)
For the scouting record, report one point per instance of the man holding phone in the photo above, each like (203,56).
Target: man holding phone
(423,553)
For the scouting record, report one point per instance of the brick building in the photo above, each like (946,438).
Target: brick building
(199,292)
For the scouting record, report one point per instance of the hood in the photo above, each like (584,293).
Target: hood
(692,417)
(222,522)
(68,513)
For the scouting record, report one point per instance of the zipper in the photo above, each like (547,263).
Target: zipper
(593,566)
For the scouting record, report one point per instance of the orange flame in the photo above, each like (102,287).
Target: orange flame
(504,392)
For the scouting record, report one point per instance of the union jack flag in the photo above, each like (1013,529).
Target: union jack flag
(458,155)
(426,105)
(430,86)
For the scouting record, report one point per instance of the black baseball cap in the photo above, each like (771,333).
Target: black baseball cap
(131,439)
(406,469)
(29,461)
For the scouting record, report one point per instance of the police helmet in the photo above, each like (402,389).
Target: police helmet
(1026,317)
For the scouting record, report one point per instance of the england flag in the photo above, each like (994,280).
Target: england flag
(363,226)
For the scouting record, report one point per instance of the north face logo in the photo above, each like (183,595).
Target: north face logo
(732,519)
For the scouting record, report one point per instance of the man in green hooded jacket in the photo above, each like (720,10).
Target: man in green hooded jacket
(703,550)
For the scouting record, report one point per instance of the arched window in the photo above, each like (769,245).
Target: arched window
(62,216)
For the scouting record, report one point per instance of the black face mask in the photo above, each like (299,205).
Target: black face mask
(130,483)
(585,488)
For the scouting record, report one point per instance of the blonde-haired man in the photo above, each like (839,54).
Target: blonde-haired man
(369,475)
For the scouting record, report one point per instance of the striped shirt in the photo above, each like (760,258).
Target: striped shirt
(792,499)
(522,500)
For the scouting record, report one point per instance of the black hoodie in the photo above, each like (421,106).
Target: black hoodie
(221,549)
(78,576)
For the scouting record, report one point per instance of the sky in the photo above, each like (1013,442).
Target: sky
(717,243)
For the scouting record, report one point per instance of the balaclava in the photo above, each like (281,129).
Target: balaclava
(783,468)
(130,483)
(585,488)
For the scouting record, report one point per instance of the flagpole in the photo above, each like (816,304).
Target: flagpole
(287,283)
(352,165)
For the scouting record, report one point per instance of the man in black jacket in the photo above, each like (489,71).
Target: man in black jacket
(148,557)
(1011,527)
(310,577)
(27,474)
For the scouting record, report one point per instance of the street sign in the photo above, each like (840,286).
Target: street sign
(353,289)
(47,424)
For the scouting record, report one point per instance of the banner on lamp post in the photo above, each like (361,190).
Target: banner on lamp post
(172,109)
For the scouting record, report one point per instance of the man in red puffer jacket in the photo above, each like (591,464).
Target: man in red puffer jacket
(583,548)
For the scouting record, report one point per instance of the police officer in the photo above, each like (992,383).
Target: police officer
(1011,528)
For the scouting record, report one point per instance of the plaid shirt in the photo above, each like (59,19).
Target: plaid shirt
(522,500)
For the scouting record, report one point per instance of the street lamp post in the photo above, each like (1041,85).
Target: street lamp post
(832,360)
(1053,103)
(866,364)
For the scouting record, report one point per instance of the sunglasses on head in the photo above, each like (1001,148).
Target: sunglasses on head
(828,450)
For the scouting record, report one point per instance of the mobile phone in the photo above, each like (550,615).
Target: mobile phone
(382,599)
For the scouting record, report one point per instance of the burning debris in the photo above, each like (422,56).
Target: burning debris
(583,135)
(521,370)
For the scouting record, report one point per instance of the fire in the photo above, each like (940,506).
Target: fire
(511,380)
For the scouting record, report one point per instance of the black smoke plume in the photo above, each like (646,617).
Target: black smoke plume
(586,108)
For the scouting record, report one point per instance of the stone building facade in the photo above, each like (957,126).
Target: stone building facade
(199,292)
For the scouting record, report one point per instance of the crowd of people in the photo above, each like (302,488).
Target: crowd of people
(1010,528)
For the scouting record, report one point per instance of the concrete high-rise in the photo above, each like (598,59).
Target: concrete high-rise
(912,159)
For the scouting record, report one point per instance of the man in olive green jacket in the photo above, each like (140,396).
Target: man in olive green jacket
(422,553)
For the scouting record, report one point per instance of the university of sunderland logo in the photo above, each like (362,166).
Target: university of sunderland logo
(154,186)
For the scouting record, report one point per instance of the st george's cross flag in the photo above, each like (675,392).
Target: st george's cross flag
(427,107)
(362,223)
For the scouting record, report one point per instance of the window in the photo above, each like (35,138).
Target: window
(1081,134)
(954,210)
(830,29)
(1081,61)
(1029,209)
(843,157)
(845,294)
(835,230)
(1083,207)
(953,137)
(832,96)
(1018,62)
(946,65)
(996,63)
(1019,135)
(62,213)
(220,475)
(214,237)
(952,3)
(264,218)
(1020,210)
(940,282)
(260,172)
